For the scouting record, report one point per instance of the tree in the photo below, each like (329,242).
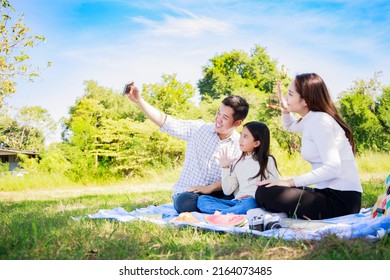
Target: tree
(84,127)
(22,135)
(14,59)
(383,113)
(171,96)
(229,72)
(37,117)
(106,129)
(86,116)
(252,76)
(383,108)
(360,108)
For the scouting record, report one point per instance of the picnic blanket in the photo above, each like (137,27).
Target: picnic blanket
(360,225)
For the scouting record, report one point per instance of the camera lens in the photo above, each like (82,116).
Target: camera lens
(272,225)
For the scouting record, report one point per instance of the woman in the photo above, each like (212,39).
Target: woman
(328,145)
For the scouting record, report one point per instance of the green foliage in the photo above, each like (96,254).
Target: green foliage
(37,117)
(170,96)
(20,136)
(366,109)
(81,164)
(235,70)
(54,160)
(383,112)
(252,76)
(4,168)
(286,141)
(15,39)
(28,129)
(107,137)
(132,148)
(28,163)
(206,109)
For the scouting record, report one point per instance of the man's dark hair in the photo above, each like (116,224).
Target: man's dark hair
(239,105)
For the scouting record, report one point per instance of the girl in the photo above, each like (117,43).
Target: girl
(328,145)
(242,177)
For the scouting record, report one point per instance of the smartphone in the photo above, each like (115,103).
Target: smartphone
(127,88)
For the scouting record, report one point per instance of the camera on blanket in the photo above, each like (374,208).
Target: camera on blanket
(265,222)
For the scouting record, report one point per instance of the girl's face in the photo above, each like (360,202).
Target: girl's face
(295,102)
(247,142)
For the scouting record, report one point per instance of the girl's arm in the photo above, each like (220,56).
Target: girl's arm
(229,181)
(229,178)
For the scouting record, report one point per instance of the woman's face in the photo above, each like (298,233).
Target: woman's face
(295,102)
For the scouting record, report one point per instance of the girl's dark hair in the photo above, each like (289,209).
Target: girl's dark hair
(260,132)
(313,90)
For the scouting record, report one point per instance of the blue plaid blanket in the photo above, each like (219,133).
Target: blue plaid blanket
(360,225)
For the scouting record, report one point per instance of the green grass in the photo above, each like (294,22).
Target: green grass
(36,224)
(53,181)
(41,228)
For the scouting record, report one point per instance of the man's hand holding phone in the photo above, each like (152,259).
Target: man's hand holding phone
(128,88)
(132,92)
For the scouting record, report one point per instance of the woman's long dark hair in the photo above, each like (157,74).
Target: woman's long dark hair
(261,154)
(313,90)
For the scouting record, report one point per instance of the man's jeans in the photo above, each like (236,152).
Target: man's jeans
(187,201)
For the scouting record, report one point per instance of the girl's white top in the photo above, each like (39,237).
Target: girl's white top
(238,181)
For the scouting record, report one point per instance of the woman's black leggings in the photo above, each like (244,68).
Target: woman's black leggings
(308,203)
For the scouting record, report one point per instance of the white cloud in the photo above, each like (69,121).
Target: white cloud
(191,26)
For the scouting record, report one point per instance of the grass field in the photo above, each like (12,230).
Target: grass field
(36,225)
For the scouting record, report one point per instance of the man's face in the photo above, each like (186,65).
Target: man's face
(224,123)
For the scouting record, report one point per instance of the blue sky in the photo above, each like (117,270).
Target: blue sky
(115,41)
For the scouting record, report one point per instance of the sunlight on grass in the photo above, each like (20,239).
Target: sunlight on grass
(31,181)
(37,210)
(373,167)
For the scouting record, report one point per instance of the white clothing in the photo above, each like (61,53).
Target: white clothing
(327,149)
(239,182)
(201,164)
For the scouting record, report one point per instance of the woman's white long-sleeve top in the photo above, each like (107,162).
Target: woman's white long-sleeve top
(327,149)
(238,181)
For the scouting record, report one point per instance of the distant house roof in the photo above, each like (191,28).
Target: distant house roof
(7,151)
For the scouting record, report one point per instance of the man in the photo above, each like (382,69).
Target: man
(201,172)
